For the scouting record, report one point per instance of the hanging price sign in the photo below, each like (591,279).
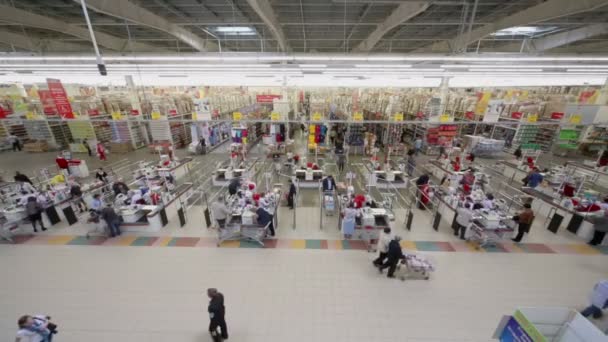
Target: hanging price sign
(116,116)
(156,115)
(575,119)
(444,118)
(532,117)
(398,117)
(275,116)
(30,116)
(237,116)
(317,116)
(357,116)
(194,116)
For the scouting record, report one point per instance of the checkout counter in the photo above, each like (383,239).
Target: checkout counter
(224,173)
(385,178)
(558,216)
(241,223)
(439,170)
(151,218)
(598,176)
(513,171)
(371,220)
(308,178)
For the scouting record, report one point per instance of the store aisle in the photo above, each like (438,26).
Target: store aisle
(157,294)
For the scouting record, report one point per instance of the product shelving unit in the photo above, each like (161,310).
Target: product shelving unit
(128,131)
(172,130)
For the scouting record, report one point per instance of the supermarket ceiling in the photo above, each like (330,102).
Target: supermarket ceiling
(306,26)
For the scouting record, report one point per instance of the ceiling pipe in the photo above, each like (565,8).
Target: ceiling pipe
(100,65)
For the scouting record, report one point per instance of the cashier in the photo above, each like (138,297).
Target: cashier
(120,188)
(488,203)
(534,178)
(26,188)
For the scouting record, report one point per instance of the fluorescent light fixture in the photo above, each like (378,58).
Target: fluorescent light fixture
(588,70)
(235,30)
(503,70)
(520,66)
(313,65)
(524,31)
(383,65)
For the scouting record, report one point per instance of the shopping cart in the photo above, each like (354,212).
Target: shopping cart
(415,266)
(484,237)
(8,230)
(98,226)
(329,203)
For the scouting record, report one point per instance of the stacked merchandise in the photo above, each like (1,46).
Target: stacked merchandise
(356,138)
(17,129)
(567,140)
(316,137)
(214,134)
(126,136)
(488,147)
(81,130)
(248,136)
(40,136)
(102,129)
(440,136)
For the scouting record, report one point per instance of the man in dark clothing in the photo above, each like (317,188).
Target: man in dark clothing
(393,256)
(217,313)
(291,194)
(20,177)
(264,218)
(329,183)
(234,186)
(112,219)
(120,188)
(76,193)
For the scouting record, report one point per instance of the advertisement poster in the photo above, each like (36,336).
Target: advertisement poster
(60,98)
(588,97)
(267,98)
(46,100)
(493,110)
(514,332)
(482,103)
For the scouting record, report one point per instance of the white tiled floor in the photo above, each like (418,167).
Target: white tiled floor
(157,294)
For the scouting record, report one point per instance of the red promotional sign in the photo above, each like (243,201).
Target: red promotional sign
(516,115)
(557,116)
(469,115)
(173,112)
(134,112)
(93,112)
(60,97)
(3,113)
(266,98)
(46,99)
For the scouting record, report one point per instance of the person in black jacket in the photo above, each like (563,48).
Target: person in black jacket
(20,177)
(291,194)
(329,183)
(234,186)
(217,313)
(393,255)
(76,193)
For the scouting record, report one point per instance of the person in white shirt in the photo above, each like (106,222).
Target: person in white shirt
(383,241)
(488,203)
(464,216)
(220,211)
(599,300)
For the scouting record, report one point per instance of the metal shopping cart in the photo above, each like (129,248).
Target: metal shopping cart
(415,266)
(329,202)
(8,230)
(485,237)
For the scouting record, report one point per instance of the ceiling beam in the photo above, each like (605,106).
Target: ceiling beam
(401,14)
(547,10)
(556,40)
(28,19)
(591,47)
(37,45)
(127,10)
(266,13)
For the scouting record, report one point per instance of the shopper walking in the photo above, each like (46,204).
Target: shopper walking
(411,163)
(34,212)
(599,300)
(37,328)
(76,193)
(600,227)
(265,219)
(217,315)
(220,211)
(349,218)
(112,219)
(291,194)
(341,161)
(383,241)
(393,255)
(14,140)
(418,145)
(101,151)
(85,142)
(329,183)
(524,219)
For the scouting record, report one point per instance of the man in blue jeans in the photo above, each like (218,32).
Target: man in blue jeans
(599,300)
(112,219)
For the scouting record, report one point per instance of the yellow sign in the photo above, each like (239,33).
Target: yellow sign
(532,117)
(156,116)
(31,116)
(317,116)
(444,118)
(116,116)
(237,116)
(357,116)
(482,104)
(194,116)
(275,116)
(575,119)
(398,116)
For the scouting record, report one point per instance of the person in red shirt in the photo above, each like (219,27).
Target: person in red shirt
(62,163)
(101,151)
(359,200)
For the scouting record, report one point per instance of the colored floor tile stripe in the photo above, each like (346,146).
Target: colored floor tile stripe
(230,244)
(184,242)
(270,243)
(536,248)
(316,244)
(428,246)
(602,249)
(59,239)
(409,245)
(494,249)
(335,244)
(297,244)
(144,241)
(163,241)
(586,249)
(84,241)
(250,244)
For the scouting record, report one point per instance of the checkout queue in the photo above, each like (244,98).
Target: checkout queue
(135,207)
(359,212)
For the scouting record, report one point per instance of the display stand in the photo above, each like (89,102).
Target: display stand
(547,324)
